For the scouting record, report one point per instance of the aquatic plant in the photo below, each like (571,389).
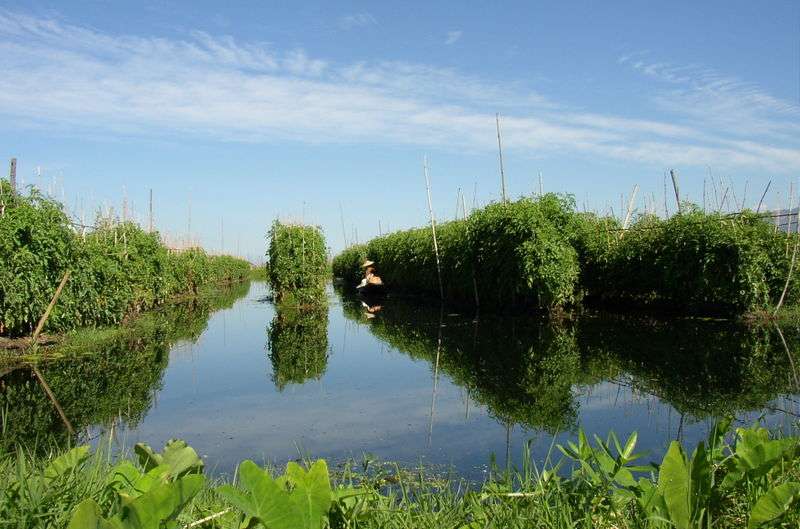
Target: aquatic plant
(298,263)
(751,479)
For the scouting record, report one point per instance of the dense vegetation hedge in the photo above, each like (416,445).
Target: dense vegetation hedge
(116,270)
(298,263)
(543,253)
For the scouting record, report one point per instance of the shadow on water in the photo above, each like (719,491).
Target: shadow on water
(116,380)
(532,373)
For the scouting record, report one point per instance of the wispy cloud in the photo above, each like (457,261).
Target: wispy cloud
(742,109)
(453,37)
(356,20)
(58,75)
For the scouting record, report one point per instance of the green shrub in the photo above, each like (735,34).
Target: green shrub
(298,263)
(117,269)
(692,263)
(540,252)
(516,253)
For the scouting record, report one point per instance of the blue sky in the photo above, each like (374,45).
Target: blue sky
(262,110)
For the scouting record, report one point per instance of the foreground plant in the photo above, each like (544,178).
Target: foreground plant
(752,481)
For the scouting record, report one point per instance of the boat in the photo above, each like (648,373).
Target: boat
(371,289)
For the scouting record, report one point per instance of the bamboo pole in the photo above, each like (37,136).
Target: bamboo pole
(500,151)
(49,309)
(675,188)
(764,194)
(630,207)
(474,280)
(433,226)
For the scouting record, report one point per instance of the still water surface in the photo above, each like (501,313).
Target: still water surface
(415,385)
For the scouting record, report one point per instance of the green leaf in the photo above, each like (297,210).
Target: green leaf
(161,503)
(674,484)
(774,503)
(66,463)
(299,499)
(87,515)
(311,493)
(177,455)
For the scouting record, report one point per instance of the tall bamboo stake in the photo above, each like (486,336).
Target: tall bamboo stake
(49,309)
(344,230)
(762,196)
(675,187)
(433,226)
(150,213)
(500,151)
(630,207)
(474,280)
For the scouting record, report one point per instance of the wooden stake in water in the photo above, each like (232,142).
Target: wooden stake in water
(758,209)
(150,213)
(12,174)
(344,230)
(675,187)
(629,212)
(433,226)
(500,151)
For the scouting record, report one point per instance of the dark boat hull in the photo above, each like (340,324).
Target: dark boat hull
(371,289)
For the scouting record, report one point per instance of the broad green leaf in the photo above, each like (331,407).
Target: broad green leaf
(674,484)
(264,498)
(87,515)
(163,502)
(311,493)
(177,455)
(66,463)
(774,503)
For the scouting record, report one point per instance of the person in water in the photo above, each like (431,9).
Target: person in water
(370,274)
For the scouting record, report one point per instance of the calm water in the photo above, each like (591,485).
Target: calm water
(411,384)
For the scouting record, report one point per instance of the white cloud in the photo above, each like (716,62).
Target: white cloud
(78,80)
(357,20)
(453,37)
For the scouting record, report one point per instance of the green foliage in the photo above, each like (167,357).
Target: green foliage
(178,458)
(300,499)
(117,269)
(691,263)
(541,252)
(298,263)
(605,489)
(297,344)
(515,253)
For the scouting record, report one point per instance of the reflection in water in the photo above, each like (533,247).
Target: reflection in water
(298,344)
(115,381)
(410,384)
(531,373)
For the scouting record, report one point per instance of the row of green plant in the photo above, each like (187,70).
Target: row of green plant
(543,253)
(297,263)
(116,269)
(534,373)
(750,478)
